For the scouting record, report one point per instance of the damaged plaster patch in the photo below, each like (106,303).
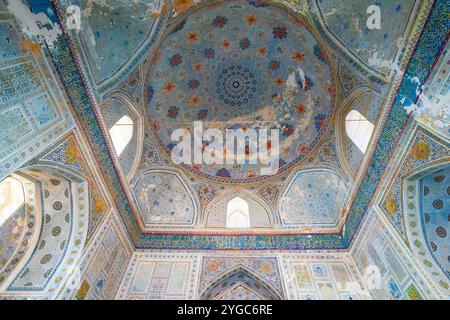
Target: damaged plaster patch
(139,11)
(434,109)
(392,66)
(37,27)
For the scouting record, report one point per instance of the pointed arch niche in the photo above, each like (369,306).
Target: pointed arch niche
(47,230)
(237,281)
(125,127)
(238,213)
(355,127)
(426,204)
(239,209)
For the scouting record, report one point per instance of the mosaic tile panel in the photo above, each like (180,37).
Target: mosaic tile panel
(18,81)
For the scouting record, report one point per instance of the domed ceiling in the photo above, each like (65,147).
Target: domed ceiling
(252,65)
(241,64)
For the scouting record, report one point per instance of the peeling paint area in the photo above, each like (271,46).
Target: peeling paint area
(377,48)
(433,107)
(37,26)
(114,32)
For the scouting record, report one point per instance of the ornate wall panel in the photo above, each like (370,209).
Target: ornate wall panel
(104,263)
(32,109)
(164,198)
(375,49)
(154,275)
(402,277)
(313,198)
(325,275)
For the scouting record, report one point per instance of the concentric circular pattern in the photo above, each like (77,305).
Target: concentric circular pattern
(57,205)
(236,85)
(441,232)
(241,64)
(437,204)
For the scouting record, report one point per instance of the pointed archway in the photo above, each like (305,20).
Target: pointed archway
(240,277)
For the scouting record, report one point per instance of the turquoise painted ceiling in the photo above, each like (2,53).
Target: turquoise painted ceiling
(346,20)
(116,33)
(314,198)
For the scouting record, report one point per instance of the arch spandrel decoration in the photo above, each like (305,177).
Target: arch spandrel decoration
(313,198)
(165,199)
(261,215)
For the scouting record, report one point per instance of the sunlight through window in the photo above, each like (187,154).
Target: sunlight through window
(238,214)
(359,129)
(121,134)
(11,198)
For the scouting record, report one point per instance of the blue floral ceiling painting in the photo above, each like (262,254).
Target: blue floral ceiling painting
(238,65)
(111,55)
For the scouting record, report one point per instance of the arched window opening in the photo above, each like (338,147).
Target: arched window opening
(11,197)
(238,214)
(359,129)
(121,134)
